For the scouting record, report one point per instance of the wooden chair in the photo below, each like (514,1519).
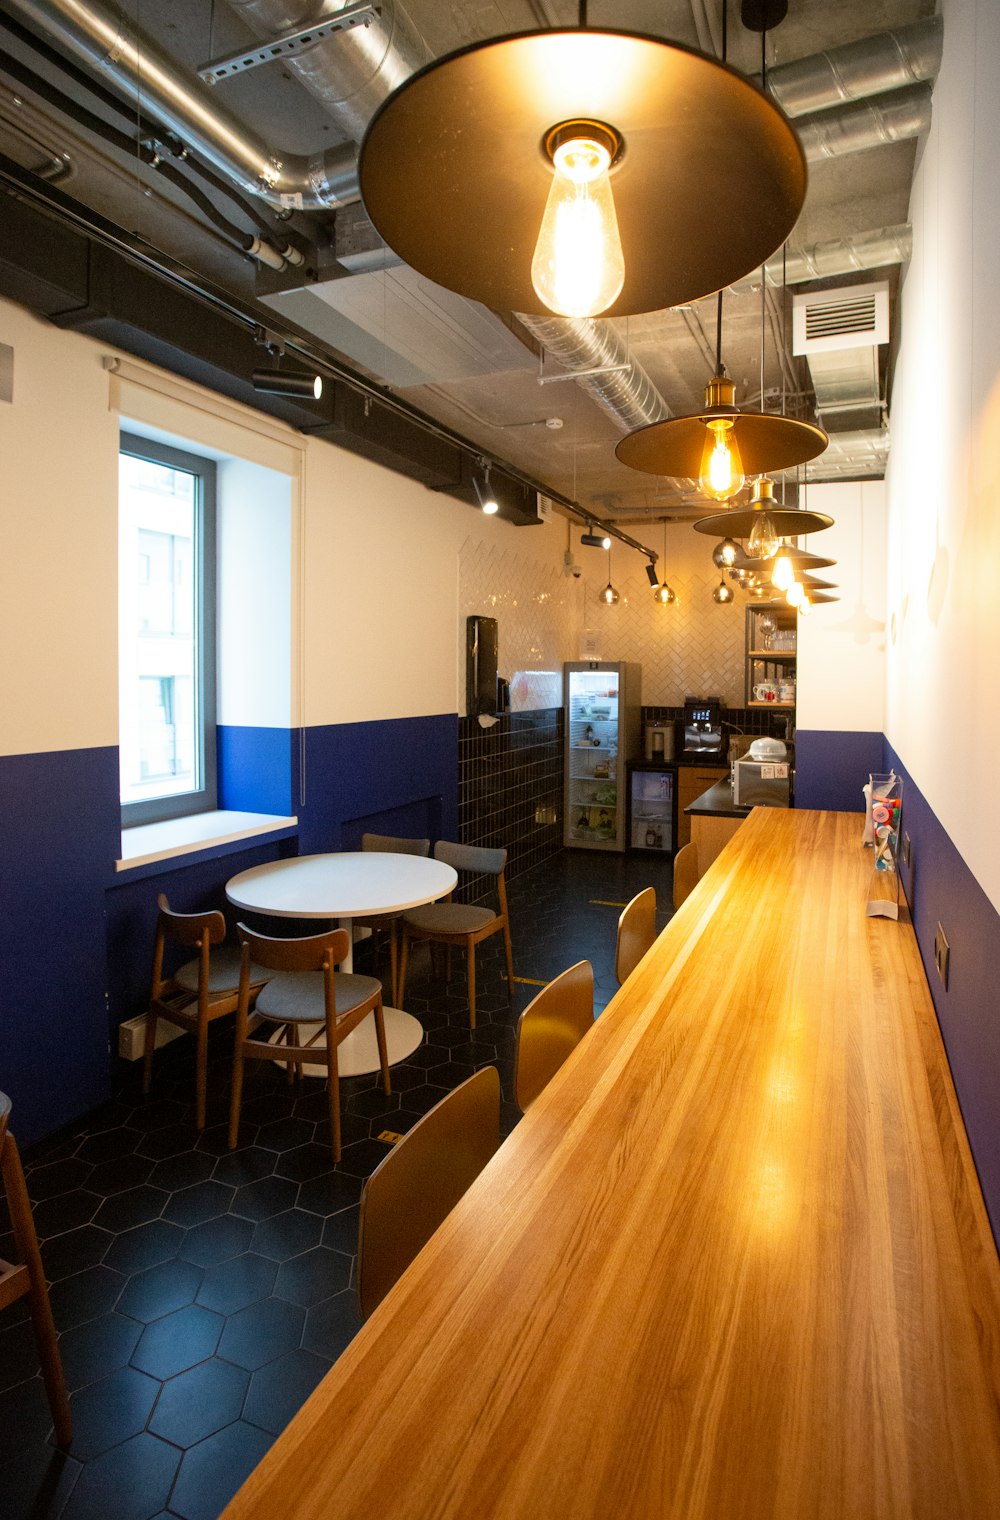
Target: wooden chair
(388,844)
(307,990)
(686,874)
(420,1181)
(203,989)
(550,1027)
(27,1280)
(636,932)
(449,923)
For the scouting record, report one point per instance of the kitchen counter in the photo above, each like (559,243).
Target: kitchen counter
(715,818)
(718,802)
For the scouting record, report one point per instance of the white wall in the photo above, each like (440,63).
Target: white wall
(944,470)
(254,623)
(841,645)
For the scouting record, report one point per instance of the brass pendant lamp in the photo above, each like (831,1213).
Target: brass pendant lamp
(744,522)
(688,174)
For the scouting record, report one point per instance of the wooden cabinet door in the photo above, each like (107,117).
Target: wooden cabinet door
(692,780)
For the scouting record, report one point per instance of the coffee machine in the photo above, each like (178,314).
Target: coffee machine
(703,726)
(659,740)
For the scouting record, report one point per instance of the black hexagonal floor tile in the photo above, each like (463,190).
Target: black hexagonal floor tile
(374,1104)
(83,1247)
(287,1234)
(214,1138)
(144,1246)
(57,1177)
(109,1144)
(329,1194)
(332,1325)
(66,1211)
(109,1411)
(98,1347)
(268,1108)
(177,1342)
(126,1210)
(160,1290)
(360,1160)
(24,1417)
(111,1177)
(246,1165)
(263,1199)
(38,1472)
(304,1162)
(130,1482)
(234,1284)
(428,1056)
(18,1354)
(315,1275)
(212,1471)
(280,1389)
(340,1231)
(174,1140)
(84,1296)
(217,1240)
(406,1076)
(197,1403)
(285,1134)
(192,1205)
(182,1171)
(258,1334)
(353,1127)
(422,1099)
(158,1113)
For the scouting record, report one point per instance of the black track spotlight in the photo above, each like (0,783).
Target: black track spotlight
(485,493)
(594,540)
(288,382)
(651,576)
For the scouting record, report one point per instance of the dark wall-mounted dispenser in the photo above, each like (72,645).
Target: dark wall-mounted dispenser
(481,666)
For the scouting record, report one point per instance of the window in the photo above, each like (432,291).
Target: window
(166,631)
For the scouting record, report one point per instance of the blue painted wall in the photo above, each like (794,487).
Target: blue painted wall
(76,938)
(832,767)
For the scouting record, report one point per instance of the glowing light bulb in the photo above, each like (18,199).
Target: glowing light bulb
(725,555)
(664,595)
(578,268)
(721,466)
(782,573)
(609,595)
(764,537)
(804,607)
(794,595)
(722,593)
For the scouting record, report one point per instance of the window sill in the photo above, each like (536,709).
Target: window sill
(151,842)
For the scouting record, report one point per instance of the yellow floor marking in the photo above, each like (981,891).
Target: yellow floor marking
(389,1136)
(530,981)
(598,902)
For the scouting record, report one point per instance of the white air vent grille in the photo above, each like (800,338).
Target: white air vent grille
(857,316)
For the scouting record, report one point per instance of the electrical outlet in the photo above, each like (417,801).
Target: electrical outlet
(942,953)
(906,848)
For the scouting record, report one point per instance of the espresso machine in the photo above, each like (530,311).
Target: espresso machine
(703,726)
(659,740)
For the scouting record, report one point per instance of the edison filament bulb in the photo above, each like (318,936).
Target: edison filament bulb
(578,268)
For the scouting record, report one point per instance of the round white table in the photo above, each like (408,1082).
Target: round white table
(350,884)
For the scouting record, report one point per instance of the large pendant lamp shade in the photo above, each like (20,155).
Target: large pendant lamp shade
(746,522)
(766,442)
(706,175)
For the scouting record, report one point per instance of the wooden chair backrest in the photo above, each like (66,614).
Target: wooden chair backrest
(389,845)
(316,952)
(190,928)
(685,872)
(550,1027)
(636,932)
(420,1181)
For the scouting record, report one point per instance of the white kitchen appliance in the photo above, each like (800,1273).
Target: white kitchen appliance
(760,783)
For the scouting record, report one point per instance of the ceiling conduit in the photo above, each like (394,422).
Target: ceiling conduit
(850,255)
(870,66)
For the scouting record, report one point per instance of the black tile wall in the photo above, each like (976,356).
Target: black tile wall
(510,787)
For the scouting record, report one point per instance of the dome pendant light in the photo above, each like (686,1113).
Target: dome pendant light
(723,593)
(462,168)
(609,595)
(663,593)
(763,522)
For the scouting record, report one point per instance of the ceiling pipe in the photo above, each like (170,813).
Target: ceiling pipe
(628,395)
(851,255)
(868,66)
(872,123)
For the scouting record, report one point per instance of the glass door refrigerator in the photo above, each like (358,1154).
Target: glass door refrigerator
(603,712)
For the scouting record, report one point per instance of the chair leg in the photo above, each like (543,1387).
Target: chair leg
(510,960)
(26,1240)
(147,1051)
(201,1074)
(472,984)
(236,1093)
(404,955)
(333,1093)
(394,962)
(383,1049)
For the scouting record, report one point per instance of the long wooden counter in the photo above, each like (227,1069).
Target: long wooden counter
(733,1263)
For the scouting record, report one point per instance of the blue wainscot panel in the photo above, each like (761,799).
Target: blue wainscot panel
(941,888)
(60,840)
(831,768)
(255,767)
(397,776)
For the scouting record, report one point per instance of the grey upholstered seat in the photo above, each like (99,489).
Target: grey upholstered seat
(449,917)
(298,996)
(223,972)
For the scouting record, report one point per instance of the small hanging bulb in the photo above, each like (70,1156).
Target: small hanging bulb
(609,594)
(722,593)
(804,607)
(794,595)
(721,474)
(764,537)
(664,595)
(782,572)
(725,554)
(578,268)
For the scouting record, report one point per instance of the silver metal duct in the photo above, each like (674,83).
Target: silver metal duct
(820,261)
(869,66)
(628,395)
(873,123)
(102,39)
(352,73)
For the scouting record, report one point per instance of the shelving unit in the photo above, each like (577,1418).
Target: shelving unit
(763,661)
(601,734)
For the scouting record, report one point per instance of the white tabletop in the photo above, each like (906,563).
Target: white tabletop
(350,884)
